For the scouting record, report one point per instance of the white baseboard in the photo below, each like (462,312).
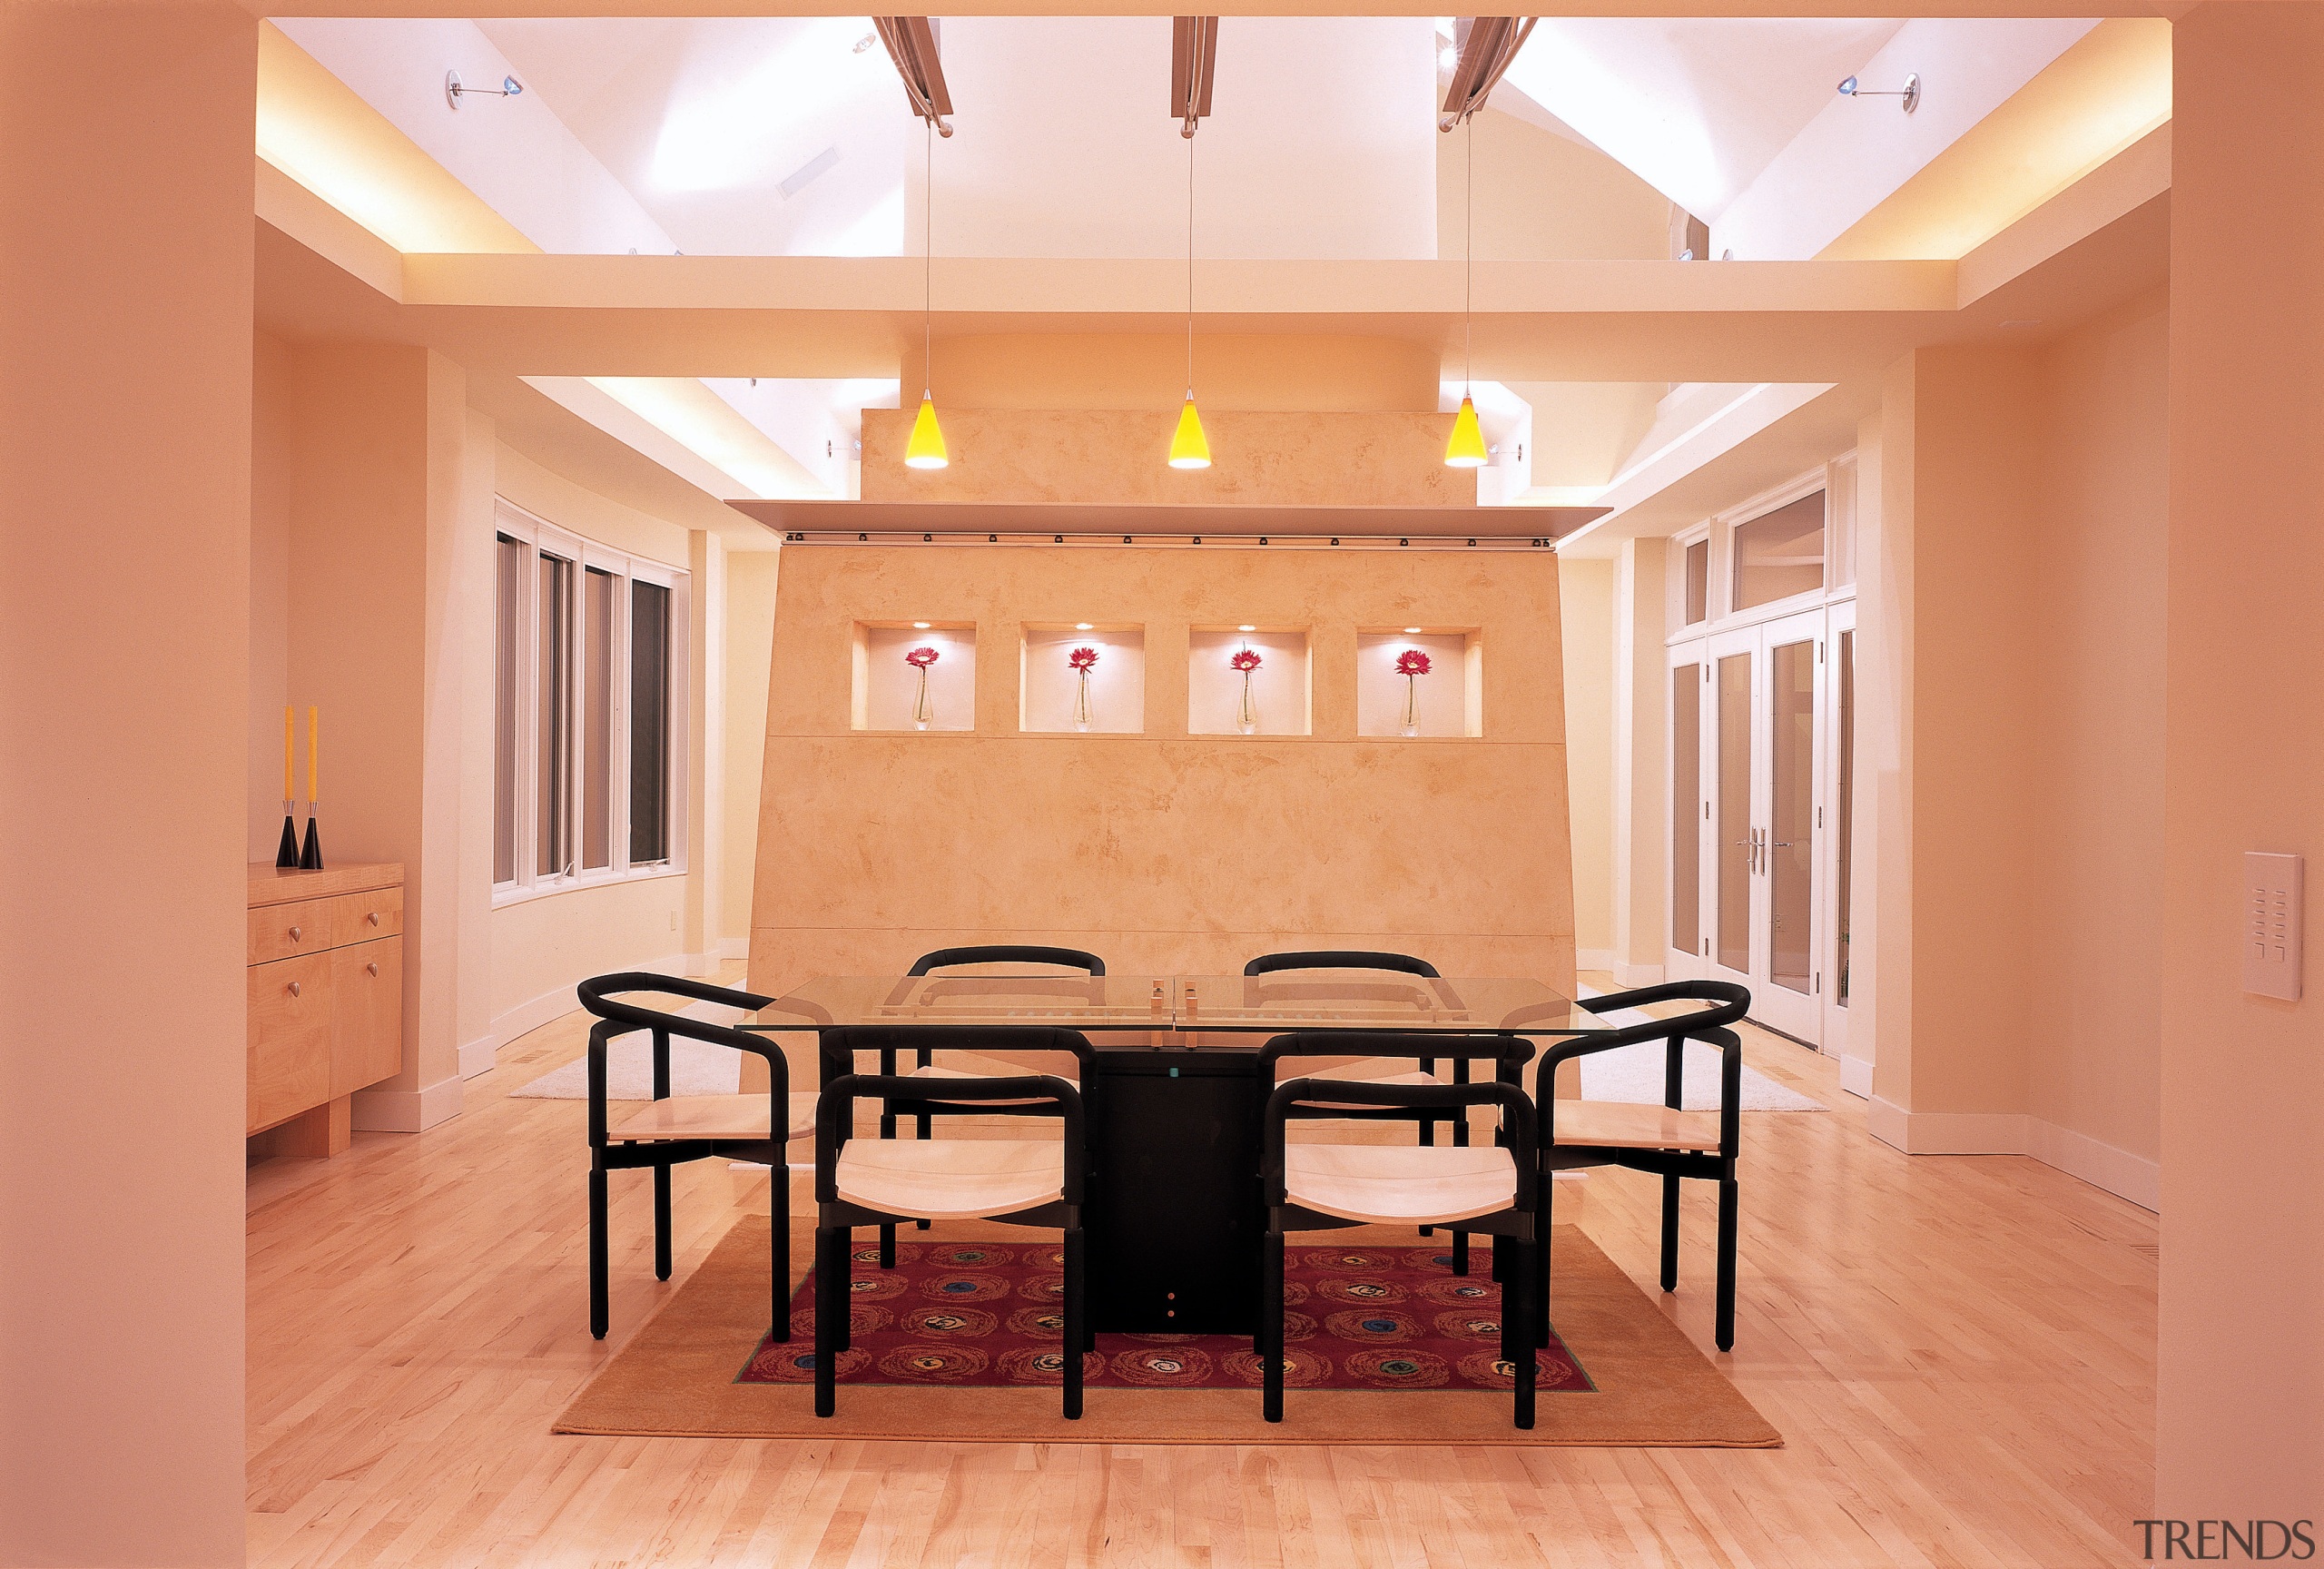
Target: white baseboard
(1593,958)
(700,966)
(555,1003)
(1629,975)
(476,1056)
(1856,1076)
(405,1110)
(734,947)
(2117,1171)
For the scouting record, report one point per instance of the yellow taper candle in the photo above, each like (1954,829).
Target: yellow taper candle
(312,714)
(289,751)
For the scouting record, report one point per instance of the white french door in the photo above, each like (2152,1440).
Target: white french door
(1750,764)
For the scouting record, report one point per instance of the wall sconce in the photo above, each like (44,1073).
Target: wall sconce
(454,91)
(1910,92)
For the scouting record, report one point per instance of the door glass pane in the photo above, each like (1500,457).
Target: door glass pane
(649,723)
(554,837)
(1734,811)
(597,719)
(1686,808)
(507,667)
(1780,553)
(1846,791)
(1697,581)
(1792,825)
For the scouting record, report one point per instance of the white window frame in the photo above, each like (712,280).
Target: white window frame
(542,537)
(1837,480)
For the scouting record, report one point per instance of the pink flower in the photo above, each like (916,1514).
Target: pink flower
(1245,660)
(1082,658)
(1412,662)
(920,659)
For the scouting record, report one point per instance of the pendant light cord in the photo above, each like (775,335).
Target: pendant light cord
(928,273)
(1190,269)
(1468,248)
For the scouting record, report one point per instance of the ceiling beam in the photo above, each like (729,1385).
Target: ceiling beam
(911,44)
(1193,66)
(1487,45)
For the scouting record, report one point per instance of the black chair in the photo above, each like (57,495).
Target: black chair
(879,1182)
(890,1044)
(1372,1070)
(1666,1139)
(1323,1186)
(669,1130)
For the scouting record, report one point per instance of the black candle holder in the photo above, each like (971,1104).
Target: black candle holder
(311,858)
(286,854)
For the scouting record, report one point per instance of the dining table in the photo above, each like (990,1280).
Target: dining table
(1174,1109)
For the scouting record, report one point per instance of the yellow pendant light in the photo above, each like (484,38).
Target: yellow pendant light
(926,447)
(1189,448)
(1466,450)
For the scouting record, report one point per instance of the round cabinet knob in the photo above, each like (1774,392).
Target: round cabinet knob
(374,917)
(294,934)
(294,987)
(373,967)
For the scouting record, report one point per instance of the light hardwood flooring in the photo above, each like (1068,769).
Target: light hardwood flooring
(1959,1351)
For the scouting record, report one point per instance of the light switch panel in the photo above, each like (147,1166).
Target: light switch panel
(2271,898)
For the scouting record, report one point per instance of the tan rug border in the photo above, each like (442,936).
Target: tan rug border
(675,1378)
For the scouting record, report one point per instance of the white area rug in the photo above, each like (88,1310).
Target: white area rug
(696,1067)
(1634,1073)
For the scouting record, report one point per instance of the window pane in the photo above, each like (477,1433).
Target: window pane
(1791,829)
(507,667)
(1734,811)
(1847,790)
(555,838)
(649,723)
(597,719)
(1697,581)
(1686,808)
(1780,553)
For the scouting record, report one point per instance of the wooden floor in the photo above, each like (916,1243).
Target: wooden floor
(1960,1351)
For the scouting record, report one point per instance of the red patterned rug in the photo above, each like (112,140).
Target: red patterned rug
(988,1314)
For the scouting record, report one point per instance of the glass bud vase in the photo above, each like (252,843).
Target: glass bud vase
(1247,712)
(1081,704)
(923,712)
(1412,706)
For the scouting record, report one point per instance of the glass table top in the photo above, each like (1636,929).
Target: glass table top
(1284,1000)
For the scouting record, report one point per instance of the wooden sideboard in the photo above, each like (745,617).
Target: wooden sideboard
(326,1000)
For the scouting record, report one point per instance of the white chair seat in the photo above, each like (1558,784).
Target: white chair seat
(1622,1125)
(1400,1184)
(951,1179)
(710,1117)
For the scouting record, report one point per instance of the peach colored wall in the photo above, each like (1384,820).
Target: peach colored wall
(1257,459)
(1586,628)
(1165,853)
(125,261)
(271,402)
(751,577)
(2099,580)
(2239,1424)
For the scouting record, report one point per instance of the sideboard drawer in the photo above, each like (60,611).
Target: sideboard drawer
(290,1038)
(366,1014)
(282,930)
(362,917)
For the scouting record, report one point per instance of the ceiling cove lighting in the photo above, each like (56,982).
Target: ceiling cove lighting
(1194,60)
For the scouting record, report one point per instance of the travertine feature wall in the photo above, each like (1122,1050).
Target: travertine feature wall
(1166,853)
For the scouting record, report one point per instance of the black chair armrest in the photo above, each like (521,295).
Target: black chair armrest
(1009,954)
(1503,1050)
(1518,1122)
(1341,959)
(1727,1042)
(1732,1002)
(835,1115)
